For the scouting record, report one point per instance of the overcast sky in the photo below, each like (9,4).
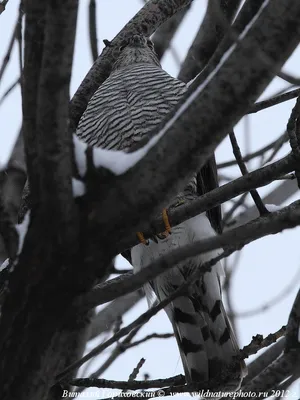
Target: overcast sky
(265,267)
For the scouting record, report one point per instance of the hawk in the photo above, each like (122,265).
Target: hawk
(129,105)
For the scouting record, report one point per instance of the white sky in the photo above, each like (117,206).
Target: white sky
(266,266)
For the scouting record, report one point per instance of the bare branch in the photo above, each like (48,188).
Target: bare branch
(259,342)
(209,35)
(104,320)
(165,33)
(144,317)
(238,155)
(261,105)
(93,29)
(258,178)
(10,46)
(173,381)
(293,327)
(263,360)
(243,19)
(293,130)
(117,351)
(149,337)
(234,238)
(131,385)
(3,5)
(237,204)
(273,301)
(54,140)
(278,196)
(274,374)
(9,90)
(49,33)
(136,370)
(34,42)
(263,150)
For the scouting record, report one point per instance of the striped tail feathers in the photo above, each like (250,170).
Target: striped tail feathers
(209,290)
(202,329)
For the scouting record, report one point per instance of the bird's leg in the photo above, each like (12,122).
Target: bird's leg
(142,239)
(161,235)
(165,218)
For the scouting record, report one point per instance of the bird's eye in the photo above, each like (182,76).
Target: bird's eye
(123,45)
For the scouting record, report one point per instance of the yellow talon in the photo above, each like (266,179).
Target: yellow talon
(166,222)
(141,237)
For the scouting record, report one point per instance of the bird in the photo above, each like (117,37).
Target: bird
(125,109)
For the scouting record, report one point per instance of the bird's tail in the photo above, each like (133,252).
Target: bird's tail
(206,341)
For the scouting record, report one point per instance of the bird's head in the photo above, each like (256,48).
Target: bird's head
(138,49)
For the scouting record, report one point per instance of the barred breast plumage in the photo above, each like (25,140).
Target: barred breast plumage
(127,106)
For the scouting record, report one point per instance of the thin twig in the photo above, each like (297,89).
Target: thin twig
(289,78)
(256,344)
(264,359)
(255,179)
(240,202)
(9,90)
(262,105)
(136,370)
(120,349)
(116,352)
(3,5)
(271,303)
(293,327)
(148,337)
(262,151)
(93,29)
(278,145)
(141,320)
(286,218)
(9,50)
(293,130)
(19,38)
(254,194)
(259,342)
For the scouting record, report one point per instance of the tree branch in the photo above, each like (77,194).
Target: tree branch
(144,317)
(53,139)
(255,154)
(259,342)
(159,383)
(208,37)
(93,30)
(243,19)
(263,360)
(234,238)
(293,327)
(262,105)
(258,178)
(104,320)
(165,33)
(129,385)
(238,156)
(49,33)
(34,43)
